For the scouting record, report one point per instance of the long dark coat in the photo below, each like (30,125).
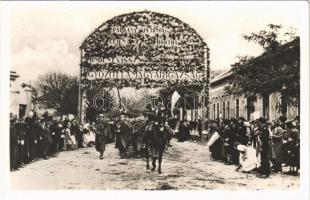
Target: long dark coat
(122,137)
(102,131)
(13,147)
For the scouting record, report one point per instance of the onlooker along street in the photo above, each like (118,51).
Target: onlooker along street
(185,166)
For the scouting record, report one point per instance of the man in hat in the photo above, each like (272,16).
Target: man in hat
(264,149)
(149,113)
(13,144)
(241,131)
(291,145)
(282,120)
(55,135)
(102,131)
(20,130)
(228,141)
(122,134)
(30,136)
(160,113)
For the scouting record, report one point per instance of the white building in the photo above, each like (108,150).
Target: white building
(20,97)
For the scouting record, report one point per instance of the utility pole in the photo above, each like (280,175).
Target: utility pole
(80,109)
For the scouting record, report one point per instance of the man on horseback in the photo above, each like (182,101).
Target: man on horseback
(156,135)
(157,117)
(149,113)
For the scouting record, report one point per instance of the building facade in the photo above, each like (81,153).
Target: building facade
(20,97)
(225,106)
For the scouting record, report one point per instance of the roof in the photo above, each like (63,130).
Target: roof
(13,75)
(285,47)
(221,76)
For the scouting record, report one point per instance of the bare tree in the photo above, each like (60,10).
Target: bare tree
(59,91)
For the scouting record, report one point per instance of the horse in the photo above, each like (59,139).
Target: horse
(156,140)
(137,137)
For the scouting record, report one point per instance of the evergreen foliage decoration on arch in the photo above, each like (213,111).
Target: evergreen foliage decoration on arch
(145,42)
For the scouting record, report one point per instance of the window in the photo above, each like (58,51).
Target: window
(223,114)
(213,111)
(228,109)
(218,110)
(237,107)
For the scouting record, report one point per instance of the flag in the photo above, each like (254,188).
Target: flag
(175,97)
(123,108)
(213,138)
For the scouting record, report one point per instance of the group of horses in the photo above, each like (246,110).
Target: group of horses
(147,139)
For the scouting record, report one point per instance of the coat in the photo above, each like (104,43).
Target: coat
(102,131)
(277,142)
(122,135)
(70,138)
(13,147)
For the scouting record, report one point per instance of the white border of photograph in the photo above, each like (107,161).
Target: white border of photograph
(8,193)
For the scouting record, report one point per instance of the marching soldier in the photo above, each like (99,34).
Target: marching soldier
(122,133)
(102,131)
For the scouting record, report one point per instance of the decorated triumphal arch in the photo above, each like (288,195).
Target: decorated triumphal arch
(143,49)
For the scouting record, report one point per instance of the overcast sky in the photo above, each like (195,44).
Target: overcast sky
(47,37)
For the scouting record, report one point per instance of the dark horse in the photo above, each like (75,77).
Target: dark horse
(155,140)
(130,134)
(136,137)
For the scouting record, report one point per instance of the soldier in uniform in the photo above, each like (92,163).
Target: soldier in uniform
(160,113)
(102,130)
(122,134)
(160,118)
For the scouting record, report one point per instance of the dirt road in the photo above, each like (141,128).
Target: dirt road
(185,166)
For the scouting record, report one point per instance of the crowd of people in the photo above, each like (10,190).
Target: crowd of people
(275,144)
(231,140)
(33,138)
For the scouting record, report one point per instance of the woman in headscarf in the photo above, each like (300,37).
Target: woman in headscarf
(277,142)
